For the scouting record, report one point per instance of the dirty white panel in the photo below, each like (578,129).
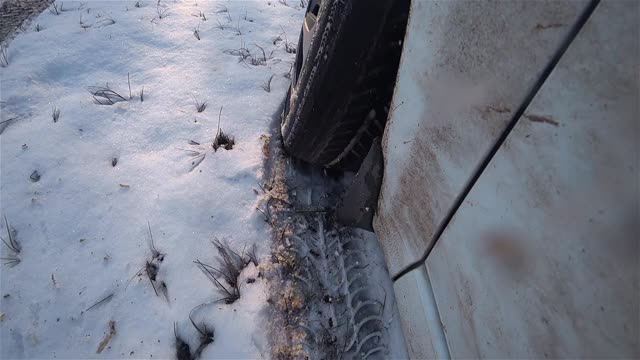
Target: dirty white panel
(542,259)
(420,320)
(465,68)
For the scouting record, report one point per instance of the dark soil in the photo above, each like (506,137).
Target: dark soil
(14,13)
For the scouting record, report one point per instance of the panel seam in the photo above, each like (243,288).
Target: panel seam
(546,72)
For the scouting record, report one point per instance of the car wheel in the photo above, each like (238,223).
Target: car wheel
(343,79)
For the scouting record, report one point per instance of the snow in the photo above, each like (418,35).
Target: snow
(83,225)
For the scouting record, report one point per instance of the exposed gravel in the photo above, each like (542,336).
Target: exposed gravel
(14,13)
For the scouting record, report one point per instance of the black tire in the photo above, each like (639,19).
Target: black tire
(340,94)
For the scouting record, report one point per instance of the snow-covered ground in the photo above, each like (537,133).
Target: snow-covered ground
(80,192)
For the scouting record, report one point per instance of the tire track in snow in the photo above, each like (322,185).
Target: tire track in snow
(331,296)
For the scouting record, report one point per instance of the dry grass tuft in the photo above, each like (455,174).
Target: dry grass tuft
(288,47)
(104,95)
(244,55)
(12,245)
(4,56)
(207,335)
(55,114)
(155,254)
(152,267)
(55,10)
(5,123)
(230,265)
(230,293)
(221,139)
(196,32)
(251,255)
(266,86)
(183,351)
(160,12)
(200,105)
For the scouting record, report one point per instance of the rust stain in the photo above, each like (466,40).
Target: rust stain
(504,247)
(548,26)
(499,109)
(542,119)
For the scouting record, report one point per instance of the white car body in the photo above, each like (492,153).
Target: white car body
(522,189)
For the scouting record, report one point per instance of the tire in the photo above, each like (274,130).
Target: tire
(342,87)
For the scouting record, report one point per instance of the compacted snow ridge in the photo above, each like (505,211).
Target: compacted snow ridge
(111,187)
